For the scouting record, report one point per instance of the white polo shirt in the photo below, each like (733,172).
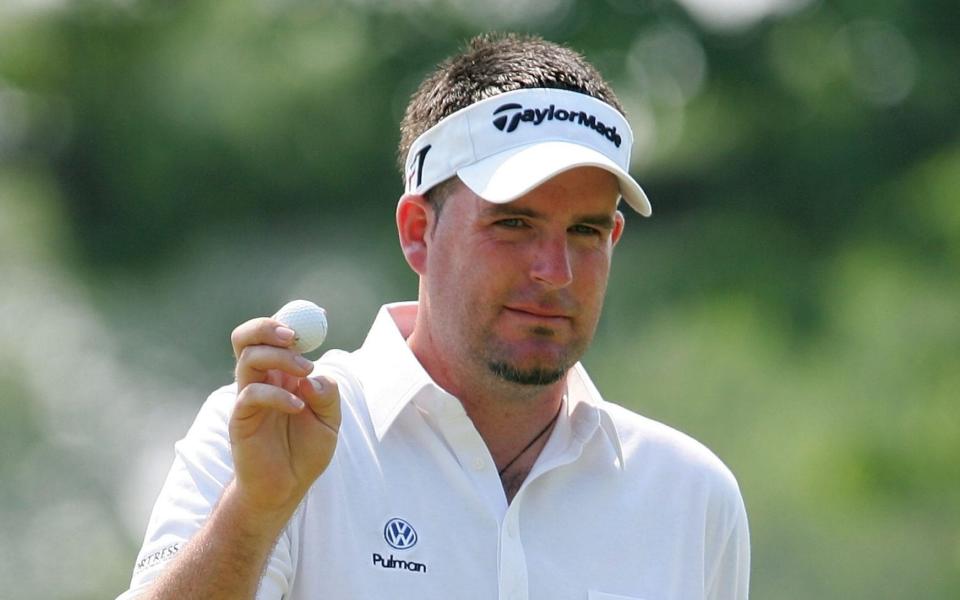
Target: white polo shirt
(411,507)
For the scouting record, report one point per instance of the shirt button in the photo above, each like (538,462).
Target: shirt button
(479,464)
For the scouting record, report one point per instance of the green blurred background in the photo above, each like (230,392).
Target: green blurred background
(170,169)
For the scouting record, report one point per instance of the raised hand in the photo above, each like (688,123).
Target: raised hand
(283,430)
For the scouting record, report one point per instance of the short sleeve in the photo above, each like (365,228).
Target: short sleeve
(202,468)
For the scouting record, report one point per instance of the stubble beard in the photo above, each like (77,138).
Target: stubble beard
(529,377)
(536,376)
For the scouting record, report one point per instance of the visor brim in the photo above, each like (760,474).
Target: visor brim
(507,175)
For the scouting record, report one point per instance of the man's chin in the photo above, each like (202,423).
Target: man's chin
(536,376)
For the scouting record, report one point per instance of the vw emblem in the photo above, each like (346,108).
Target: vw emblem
(400,534)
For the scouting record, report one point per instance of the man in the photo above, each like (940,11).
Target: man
(462,451)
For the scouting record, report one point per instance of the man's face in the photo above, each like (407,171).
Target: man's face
(515,290)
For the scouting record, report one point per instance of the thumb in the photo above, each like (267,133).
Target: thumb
(322,396)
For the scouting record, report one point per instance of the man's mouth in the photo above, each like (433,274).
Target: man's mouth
(538,313)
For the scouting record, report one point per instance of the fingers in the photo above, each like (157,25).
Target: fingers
(260,331)
(320,396)
(257,400)
(262,349)
(265,364)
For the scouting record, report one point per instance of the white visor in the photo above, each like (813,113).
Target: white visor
(504,146)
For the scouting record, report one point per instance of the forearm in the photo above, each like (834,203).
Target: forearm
(227,557)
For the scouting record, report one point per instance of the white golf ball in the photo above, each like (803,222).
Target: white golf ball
(307,320)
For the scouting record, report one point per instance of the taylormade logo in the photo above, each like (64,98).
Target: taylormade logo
(509,121)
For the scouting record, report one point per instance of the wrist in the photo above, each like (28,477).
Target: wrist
(253,517)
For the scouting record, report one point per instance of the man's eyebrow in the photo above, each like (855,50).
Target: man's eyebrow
(509,210)
(602,220)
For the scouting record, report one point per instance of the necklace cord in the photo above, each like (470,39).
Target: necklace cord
(532,442)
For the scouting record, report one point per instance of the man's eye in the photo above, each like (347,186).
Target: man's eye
(585,230)
(511,223)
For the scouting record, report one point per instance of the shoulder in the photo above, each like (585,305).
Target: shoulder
(345,368)
(660,451)
(211,422)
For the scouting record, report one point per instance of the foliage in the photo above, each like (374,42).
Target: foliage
(169,169)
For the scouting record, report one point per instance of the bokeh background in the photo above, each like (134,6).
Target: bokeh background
(170,169)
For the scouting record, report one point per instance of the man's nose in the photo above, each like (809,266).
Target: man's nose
(551,262)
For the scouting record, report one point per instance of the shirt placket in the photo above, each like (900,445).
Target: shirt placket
(564,447)
(474,458)
(514,584)
(472,455)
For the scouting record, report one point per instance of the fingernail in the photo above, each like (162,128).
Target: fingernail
(303,362)
(285,333)
(317,385)
(297,403)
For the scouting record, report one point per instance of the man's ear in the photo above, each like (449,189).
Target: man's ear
(618,225)
(413,224)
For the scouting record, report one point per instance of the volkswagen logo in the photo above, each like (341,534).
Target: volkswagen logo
(400,534)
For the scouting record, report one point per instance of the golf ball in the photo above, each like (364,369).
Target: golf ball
(307,320)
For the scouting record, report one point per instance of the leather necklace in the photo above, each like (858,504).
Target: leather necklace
(532,442)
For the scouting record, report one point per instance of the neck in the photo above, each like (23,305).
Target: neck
(506,415)
(515,429)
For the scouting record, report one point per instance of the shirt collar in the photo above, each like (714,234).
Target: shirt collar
(588,410)
(393,377)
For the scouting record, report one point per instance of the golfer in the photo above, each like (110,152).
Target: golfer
(462,452)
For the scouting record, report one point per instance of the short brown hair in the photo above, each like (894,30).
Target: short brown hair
(493,64)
